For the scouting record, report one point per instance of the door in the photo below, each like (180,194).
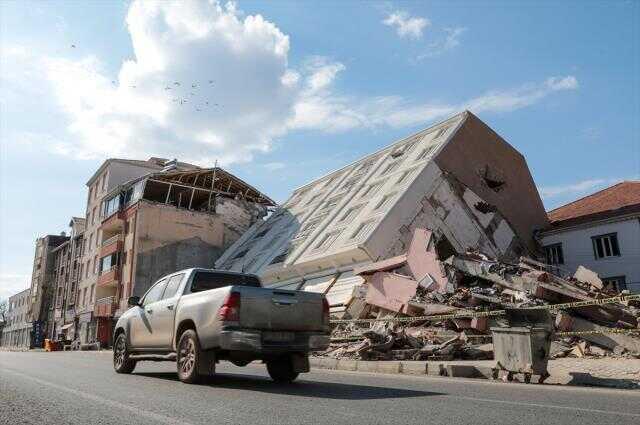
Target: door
(141,331)
(163,314)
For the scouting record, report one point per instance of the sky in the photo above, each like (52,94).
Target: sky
(283,92)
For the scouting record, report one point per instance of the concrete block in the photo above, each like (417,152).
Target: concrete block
(327,363)
(413,368)
(368,366)
(461,371)
(345,364)
(389,367)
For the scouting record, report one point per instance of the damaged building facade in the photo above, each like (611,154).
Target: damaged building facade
(162,222)
(457,178)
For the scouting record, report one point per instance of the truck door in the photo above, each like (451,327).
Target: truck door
(163,315)
(141,331)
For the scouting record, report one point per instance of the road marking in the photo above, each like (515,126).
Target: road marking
(547,406)
(100,399)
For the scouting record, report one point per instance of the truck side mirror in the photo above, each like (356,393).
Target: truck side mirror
(133,301)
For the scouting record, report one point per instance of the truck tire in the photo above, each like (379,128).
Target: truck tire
(188,357)
(121,361)
(281,370)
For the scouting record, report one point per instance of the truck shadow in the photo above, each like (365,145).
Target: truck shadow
(587,379)
(301,387)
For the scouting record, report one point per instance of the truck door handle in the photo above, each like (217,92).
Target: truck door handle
(170,307)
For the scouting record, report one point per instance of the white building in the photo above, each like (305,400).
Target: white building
(17,329)
(458,178)
(600,232)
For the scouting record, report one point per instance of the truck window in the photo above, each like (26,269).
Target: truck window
(203,281)
(172,286)
(155,292)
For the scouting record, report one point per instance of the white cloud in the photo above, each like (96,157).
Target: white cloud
(207,83)
(274,166)
(577,188)
(12,283)
(407,25)
(332,112)
(450,41)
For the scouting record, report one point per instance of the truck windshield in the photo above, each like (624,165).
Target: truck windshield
(203,281)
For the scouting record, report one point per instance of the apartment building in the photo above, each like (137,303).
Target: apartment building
(112,172)
(68,259)
(164,220)
(601,232)
(458,178)
(43,284)
(16,332)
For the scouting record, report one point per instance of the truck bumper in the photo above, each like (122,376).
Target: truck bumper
(257,341)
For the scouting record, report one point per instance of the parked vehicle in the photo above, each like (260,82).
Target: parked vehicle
(198,317)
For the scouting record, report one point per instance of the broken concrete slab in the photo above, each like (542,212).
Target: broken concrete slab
(583,274)
(390,291)
(423,261)
(565,322)
(381,266)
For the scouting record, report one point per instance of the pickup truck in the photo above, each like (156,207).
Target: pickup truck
(198,317)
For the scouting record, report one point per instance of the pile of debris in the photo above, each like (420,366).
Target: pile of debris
(408,308)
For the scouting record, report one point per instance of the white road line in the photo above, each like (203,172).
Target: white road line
(547,406)
(100,399)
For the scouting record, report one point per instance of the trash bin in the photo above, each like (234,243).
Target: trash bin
(524,346)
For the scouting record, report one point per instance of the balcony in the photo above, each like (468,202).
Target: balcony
(114,222)
(109,277)
(111,245)
(105,307)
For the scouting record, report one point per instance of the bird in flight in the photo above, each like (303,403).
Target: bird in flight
(193,85)
(73,46)
(176,83)
(167,88)
(210,81)
(198,109)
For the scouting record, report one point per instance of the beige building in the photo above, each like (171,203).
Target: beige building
(161,222)
(458,178)
(43,285)
(111,173)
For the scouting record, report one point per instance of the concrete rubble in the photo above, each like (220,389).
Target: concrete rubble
(420,284)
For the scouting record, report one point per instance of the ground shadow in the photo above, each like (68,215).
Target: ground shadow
(582,379)
(301,387)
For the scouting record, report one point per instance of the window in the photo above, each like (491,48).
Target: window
(372,189)
(385,201)
(90,240)
(110,206)
(93,290)
(172,286)
(617,283)
(88,268)
(108,262)
(553,254)
(312,199)
(352,212)
(328,239)
(204,281)
(405,177)
(605,246)
(93,214)
(104,182)
(425,152)
(392,166)
(441,132)
(363,230)
(155,293)
(96,264)
(263,232)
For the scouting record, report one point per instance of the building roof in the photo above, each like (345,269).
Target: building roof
(620,199)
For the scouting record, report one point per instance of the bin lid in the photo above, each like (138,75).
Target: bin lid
(524,317)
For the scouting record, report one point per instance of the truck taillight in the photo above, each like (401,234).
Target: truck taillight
(230,310)
(325,311)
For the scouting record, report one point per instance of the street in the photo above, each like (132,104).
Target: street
(81,388)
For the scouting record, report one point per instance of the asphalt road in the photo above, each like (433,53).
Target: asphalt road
(81,388)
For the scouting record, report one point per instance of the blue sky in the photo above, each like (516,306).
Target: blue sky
(302,88)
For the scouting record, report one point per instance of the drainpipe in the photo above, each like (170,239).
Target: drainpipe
(133,250)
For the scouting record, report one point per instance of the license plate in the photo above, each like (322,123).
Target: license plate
(278,336)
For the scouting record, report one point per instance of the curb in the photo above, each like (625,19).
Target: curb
(431,368)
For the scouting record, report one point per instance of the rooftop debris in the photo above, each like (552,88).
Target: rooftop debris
(418,306)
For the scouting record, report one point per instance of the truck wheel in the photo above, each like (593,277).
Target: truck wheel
(188,358)
(121,361)
(281,370)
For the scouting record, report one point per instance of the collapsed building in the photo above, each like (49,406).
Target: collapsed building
(458,178)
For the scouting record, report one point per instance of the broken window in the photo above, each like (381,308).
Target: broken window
(553,254)
(484,207)
(605,246)
(492,178)
(617,283)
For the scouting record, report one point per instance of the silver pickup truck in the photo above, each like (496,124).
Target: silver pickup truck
(198,317)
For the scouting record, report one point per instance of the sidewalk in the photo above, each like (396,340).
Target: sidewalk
(610,373)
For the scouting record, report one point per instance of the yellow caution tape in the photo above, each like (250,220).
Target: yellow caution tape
(611,300)
(603,331)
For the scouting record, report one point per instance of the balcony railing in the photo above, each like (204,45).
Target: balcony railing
(109,277)
(112,239)
(105,307)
